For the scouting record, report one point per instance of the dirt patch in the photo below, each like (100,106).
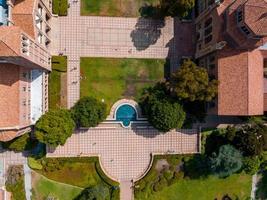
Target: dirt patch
(63,90)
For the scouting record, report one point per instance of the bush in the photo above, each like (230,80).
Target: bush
(89,112)
(100,192)
(251,165)
(59,63)
(168,174)
(196,166)
(60,7)
(54,127)
(214,141)
(226,162)
(249,140)
(21,143)
(15,182)
(160,184)
(51,165)
(34,164)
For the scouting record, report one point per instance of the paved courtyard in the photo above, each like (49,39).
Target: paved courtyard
(85,36)
(125,154)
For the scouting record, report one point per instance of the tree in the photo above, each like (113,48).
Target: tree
(226,162)
(191,83)
(89,112)
(98,192)
(165,115)
(20,143)
(174,8)
(162,112)
(251,165)
(54,127)
(249,140)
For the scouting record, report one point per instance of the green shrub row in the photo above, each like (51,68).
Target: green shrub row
(60,7)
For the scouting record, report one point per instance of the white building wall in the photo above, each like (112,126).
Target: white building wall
(36,95)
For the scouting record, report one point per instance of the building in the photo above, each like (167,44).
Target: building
(25,27)
(230,38)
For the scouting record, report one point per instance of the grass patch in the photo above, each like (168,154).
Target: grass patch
(60,7)
(59,66)
(237,185)
(80,172)
(114,8)
(171,183)
(44,188)
(114,78)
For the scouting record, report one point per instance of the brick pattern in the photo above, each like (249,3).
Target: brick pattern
(125,153)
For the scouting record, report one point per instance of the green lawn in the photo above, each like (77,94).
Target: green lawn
(60,7)
(43,187)
(114,8)
(178,186)
(238,185)
(79,172)
(59,67)
(112,79)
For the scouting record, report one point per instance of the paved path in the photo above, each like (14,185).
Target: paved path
(125,153)
(126,192)
(27,181)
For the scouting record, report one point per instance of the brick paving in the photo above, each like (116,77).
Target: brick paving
(125,154)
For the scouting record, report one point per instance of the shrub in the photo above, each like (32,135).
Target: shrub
(54,127)
(89,112)
(160,184)
(20,143)
(251,165)
(15,182)
(249,140)
(34,164)
(51,165)
(59,63)
(168,174)
(196,166)
(214,141)
(60,7)
(226,162)
(100,192)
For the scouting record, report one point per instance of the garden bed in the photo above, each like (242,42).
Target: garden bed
(171,183)
(58,83)
(78,172)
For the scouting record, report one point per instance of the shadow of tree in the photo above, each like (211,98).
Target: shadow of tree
(146,32)
(261,192)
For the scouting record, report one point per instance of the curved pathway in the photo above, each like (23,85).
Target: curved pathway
(125,154)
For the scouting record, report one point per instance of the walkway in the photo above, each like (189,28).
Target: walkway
(125,153)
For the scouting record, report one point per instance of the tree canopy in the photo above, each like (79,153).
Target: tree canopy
(191,83)
(249,140)
(98,192)
(174,8)
(89,112)
(226,162)
(54,127)
(162,112)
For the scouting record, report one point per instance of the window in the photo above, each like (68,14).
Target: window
(208,22)
(208,39)
(208,31)
(24,89)
(24,75)
(24,102)
(245,30)
(239,16)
